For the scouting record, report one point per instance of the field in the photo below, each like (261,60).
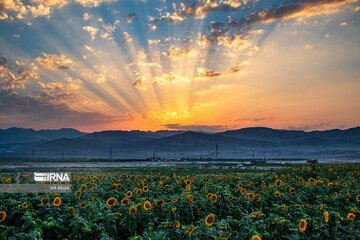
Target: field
(300,202)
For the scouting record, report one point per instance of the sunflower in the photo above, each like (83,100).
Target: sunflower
(92,181)
(209,219)
(292,190)
(351,216)
(358,198)
(159,202)
(189,230)
(250,196)
(188,188)
(71,212)
(8,180)
(83,187)
(115,186)
(145,188)
(251,184)
(93,188)
(278,183)
(129,194)
(326,217)
(139,191)
(277,194)
(175,200)
(213,198)
(147,205)
(57,201)
(187,182)
(132,210)
(177,224)
(45,201)
(82,205)
(25,205)
(302,225)
(111,202)
(257,198)
(125,202)
(256,237)
(243,190)
(208,195)
(78,194)
(2,216)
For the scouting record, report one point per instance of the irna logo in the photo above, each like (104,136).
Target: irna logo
(51,177)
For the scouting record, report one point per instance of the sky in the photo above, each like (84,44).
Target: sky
(208,65)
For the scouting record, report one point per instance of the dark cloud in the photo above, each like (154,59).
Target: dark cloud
(305,8)
(256,119)
(310,127)
(31,110)
(131,17)
(205,128)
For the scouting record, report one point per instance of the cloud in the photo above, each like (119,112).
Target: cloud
(30,110)
(238,67)
(86,16)
(100,78)
(131,17)
(92,31)
(64,93)
(204,41)
(53,61)
(13,75)
(164,78)
(11,81)
(90,49)
(126,37)
(301,9)
(204,73)
(310,127)
(28,9)
(139,83)
(175,52)
(204,128)
(107,31)
(236,42)
(171,17)
(251,119)
(198,10)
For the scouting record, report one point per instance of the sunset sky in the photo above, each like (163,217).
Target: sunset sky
(198,65)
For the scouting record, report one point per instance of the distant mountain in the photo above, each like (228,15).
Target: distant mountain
(196,140)
(265,134)
(127,136)
(28,135)
(141,144)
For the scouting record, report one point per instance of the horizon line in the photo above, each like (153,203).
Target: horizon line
(183,130)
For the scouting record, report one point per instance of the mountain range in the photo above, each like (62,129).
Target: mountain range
(240,143)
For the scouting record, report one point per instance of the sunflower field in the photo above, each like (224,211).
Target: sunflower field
(299,202)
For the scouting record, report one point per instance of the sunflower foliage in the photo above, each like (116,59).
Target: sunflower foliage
(299,202)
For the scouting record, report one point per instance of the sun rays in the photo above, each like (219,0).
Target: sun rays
(152,64)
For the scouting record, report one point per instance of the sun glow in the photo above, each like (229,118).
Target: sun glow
(148,67)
